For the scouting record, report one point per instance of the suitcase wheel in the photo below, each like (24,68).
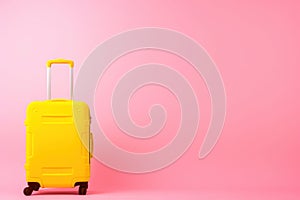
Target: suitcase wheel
(82,190)
(28,191)
(31,186)
(83,186)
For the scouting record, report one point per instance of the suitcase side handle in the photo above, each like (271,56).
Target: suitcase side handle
(59,61)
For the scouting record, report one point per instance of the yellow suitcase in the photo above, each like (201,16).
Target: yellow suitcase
(58,150)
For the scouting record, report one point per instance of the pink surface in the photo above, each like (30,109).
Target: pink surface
(256,48)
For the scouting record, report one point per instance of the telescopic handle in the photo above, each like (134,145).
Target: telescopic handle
(59,61)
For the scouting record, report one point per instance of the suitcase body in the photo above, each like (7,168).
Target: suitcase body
(58,144)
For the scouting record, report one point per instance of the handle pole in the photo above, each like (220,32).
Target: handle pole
(48,83)
(71,83)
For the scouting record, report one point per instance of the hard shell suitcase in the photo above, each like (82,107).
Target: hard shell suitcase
(58,141)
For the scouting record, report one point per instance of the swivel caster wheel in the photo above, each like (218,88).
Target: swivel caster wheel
(83,186)
(82,190)
(32,186)
(28,191)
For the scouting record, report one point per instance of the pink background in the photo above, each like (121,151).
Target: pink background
(255,45)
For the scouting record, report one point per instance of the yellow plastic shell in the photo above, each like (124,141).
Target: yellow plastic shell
(57,148)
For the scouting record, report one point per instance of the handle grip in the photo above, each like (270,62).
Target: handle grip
(60,61)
